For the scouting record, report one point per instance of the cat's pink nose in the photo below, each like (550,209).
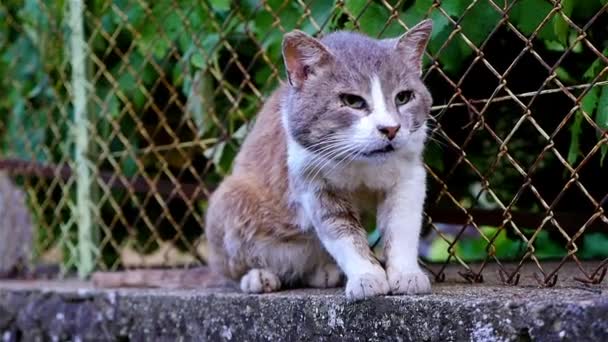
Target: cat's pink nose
(389,131)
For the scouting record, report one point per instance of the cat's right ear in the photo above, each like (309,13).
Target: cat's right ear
(303,56)
(412,44)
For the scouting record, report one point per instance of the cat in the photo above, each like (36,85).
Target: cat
(344,135)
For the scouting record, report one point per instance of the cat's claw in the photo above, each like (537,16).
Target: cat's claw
(260,281)
(415,282)
(367,285)
(326,276)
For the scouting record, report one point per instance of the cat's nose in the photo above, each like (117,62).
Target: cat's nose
(389,131)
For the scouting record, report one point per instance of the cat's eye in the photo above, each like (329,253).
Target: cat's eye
(353,101)
(403,97)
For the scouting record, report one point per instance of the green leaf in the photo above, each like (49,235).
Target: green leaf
(128,165)
(26,132)
(575,132)
(228,156)
(201,101)
(134,75)
(527,15)
(546,247)
(479,21)
(472,249)
(371,19)
(553,45)
(476,24)
(320,12)
(439,250)
(587,8)
(595,68)
(588,104)
(506,248)
(241,133)
(595,246)
(564,75)
(590,100)
(220,5)
(601,118)
(209,44)
(454,8)
(450,56)
(560,25)
(416,12)
(572,40)
(355,6)
(215,153)
(433,156)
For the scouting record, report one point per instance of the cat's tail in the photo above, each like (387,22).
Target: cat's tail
(193,278)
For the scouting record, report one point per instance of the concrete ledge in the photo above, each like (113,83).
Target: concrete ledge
(76,311)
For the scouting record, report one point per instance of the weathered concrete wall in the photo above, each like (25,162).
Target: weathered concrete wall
(75,311)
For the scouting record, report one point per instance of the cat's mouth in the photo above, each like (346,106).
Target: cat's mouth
(384,150)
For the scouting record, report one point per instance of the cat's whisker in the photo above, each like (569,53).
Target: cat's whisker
(316,162)
(324,153)
(355,156)
(327,140)
(343,152)
(440,143)
(329,145)
(436,139)
(349,158)
(320,162)
(354,152)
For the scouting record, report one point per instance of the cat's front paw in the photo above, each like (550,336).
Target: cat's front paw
(260,281)
(415,282)
(367,285)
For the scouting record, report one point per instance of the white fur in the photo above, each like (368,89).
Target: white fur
(260,281)
(400,215)
(400,218)
(364,277)
(342,250)
(347,257)
(366,132)
(366,174)
(380,115)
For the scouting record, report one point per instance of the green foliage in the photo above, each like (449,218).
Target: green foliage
(595,99)
(588,104)
(477,248)
(28,67)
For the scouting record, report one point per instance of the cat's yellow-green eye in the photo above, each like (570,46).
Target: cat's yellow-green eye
(353,101)
(403,97)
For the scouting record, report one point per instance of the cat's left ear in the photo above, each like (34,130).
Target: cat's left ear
(412,44)
(303,56)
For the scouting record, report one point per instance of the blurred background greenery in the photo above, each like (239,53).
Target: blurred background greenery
(174,86)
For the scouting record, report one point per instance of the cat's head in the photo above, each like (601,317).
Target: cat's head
(351,96)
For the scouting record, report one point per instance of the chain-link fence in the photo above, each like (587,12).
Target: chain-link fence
(120,117)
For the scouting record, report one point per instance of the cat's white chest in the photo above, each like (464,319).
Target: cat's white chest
(378,176)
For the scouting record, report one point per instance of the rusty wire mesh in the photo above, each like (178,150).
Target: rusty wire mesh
(173,85)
